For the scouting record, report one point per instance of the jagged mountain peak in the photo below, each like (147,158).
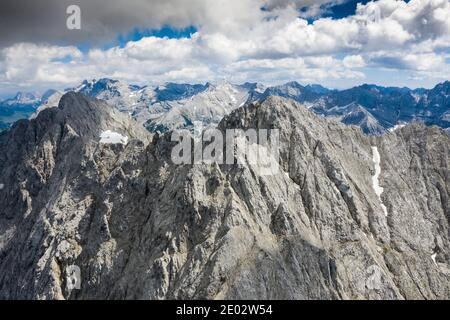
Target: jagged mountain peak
(317,221)
(176,91)
(382,90)
(105,86)
(317,88)
(86,117)
(219,85)
(23,98)
(293,90)
(47,94)
(292,84)
(445,83)
(442,88)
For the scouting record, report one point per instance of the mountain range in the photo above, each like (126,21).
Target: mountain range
(374,109)
(347,216)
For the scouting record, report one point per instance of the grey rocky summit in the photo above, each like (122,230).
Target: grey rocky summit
(139,226)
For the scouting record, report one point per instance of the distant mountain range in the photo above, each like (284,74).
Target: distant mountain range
(373,108)
(18,107)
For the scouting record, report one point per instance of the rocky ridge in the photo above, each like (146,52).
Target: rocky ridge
(140,227)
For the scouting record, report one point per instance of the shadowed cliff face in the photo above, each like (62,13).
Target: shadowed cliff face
(139,226)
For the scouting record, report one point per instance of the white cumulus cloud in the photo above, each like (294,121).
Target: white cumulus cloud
(238,40)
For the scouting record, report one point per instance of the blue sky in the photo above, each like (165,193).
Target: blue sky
(330,42)
(164,32)
(334,10)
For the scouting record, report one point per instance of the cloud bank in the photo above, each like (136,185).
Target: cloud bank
(241,40)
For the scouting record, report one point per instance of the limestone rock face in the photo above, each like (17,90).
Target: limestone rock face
(140,227)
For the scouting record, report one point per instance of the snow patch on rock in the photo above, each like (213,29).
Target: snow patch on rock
(396,127)
(375,182)
(433,257)
(111,137)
